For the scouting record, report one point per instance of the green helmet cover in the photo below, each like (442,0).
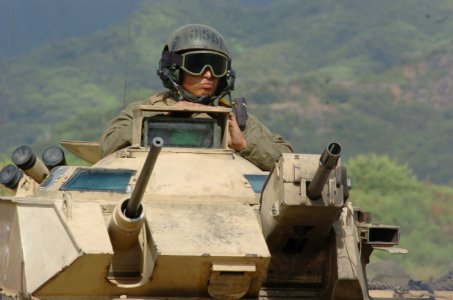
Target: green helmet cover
(196,37)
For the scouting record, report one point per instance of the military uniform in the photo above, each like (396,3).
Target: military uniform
(263,146)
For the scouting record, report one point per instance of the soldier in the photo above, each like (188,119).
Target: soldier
(195,67)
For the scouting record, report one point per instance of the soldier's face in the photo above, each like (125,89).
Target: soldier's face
(200,85)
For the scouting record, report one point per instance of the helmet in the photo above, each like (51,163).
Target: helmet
(195,39)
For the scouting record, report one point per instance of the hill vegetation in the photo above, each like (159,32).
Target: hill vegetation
(375,76)
(395,197)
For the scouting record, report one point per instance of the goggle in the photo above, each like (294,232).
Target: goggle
(196,62)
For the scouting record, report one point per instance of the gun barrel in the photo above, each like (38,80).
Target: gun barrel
(327,162)
(133,205)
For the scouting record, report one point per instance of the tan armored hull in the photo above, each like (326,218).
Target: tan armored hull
(153,222)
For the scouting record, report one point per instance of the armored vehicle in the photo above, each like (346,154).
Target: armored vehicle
(178,215)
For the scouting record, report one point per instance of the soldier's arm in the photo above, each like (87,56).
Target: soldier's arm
(118,133)
(263,146)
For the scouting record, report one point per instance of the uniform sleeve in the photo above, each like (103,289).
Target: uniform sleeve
(263,146)
(118,134)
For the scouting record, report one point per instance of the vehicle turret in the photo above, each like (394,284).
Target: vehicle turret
(179,215)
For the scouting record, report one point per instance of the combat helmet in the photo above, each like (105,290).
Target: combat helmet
(184,49)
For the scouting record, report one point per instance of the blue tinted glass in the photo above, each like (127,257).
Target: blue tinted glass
(54,174)
(256,181)
(99,180)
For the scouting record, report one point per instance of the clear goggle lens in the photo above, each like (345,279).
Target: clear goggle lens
(195,63)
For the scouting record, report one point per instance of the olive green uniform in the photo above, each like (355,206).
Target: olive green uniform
(263,146)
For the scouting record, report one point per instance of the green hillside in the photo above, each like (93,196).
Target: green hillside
(373,75)
(393,195)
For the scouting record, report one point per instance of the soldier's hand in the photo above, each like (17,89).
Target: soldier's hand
(237,140)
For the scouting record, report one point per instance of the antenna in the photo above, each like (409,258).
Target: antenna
(7,66)
(6,93)
(127,51)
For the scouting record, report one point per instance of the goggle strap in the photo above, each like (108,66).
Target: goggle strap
(171,58)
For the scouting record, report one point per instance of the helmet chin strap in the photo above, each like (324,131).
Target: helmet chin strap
(182,94)
(206,100)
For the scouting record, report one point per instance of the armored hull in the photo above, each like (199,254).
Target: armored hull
(192,220)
